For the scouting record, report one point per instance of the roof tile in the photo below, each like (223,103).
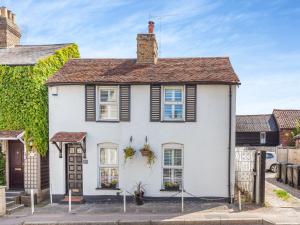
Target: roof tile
(27,54)
(255,123)
(167,70)
(286,119)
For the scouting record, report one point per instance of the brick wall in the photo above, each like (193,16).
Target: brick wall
(285,137)
(146,48)
(9,33)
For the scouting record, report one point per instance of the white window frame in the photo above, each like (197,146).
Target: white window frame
(173,103)
(263,137)
(107,145)
(172,146)
(99,88)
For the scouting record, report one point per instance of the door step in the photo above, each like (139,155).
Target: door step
(10,193)
(74,200)
(14,208)
(10,203)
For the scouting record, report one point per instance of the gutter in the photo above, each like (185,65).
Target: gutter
(229,144)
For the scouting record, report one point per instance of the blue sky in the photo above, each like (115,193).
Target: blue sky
(262,37)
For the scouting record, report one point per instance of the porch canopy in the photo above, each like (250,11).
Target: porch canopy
(69,137)
(11,135)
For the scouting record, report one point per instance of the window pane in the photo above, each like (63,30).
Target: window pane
(109,95)
(168,95)
(112,96)
(104,111)
(178,95)
(108,177)
(177,157)
(167,175)
(104,95)
(113,111)
(178,112)
(168,112)
(108,156)
(167,157)
(178,176)
(109,111)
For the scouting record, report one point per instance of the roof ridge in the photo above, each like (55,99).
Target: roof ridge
(256,115)
(286,110)
(106,58)
(44,45)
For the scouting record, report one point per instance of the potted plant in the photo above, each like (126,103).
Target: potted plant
(171,186)
(147,152)
(139,194)
(128,153)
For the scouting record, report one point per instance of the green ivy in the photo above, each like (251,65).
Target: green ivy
(24,96)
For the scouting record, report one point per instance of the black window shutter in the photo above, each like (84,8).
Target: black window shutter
(155,103)
(190,103)
(90,103)
(124,102)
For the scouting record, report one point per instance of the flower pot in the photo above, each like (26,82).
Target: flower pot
(145,152)
(139,199)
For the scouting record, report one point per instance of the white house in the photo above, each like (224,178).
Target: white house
(184,108)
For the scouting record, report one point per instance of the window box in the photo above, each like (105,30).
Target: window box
(170,186)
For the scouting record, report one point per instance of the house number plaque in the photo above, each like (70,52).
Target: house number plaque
(85,161)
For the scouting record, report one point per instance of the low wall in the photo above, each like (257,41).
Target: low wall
(2,201)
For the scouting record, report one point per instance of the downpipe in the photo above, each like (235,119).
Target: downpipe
(229,145)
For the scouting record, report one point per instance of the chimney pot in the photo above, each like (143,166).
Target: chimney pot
(9,14)
(13,17)
(9,31)
(150,27)
(4,12)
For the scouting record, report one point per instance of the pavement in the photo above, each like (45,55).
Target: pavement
(276,211)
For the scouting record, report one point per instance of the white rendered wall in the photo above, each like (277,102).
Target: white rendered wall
(205,141)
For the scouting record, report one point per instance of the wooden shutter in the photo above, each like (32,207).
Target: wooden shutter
(124,102)
(190,103)
(90,103)
(155,103)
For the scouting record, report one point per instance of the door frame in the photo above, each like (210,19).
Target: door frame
(9,150)
(67,169)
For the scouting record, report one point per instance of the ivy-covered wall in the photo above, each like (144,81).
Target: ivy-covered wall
(24,98)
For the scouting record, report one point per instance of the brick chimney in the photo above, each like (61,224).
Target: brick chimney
(147,52)
(9,31)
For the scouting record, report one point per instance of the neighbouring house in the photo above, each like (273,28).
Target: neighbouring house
(182,109)
(23,106)
(257,131)
(287,122)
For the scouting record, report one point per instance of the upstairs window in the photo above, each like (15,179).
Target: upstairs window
(263,137)
(173,103)
(108,103)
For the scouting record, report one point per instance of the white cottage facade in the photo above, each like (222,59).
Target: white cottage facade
(184,109)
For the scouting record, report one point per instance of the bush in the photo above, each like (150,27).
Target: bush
(24,96)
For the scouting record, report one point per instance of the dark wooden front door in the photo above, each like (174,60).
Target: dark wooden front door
(74,168)
(16,164)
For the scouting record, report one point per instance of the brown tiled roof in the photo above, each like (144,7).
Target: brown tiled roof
(256,123)
(27,54)
(217,70)
(10,134)
(286,119)
(68,137)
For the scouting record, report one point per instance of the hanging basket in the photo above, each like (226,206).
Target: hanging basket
(145,152)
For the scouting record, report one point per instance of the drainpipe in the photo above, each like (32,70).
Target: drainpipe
(229,144)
